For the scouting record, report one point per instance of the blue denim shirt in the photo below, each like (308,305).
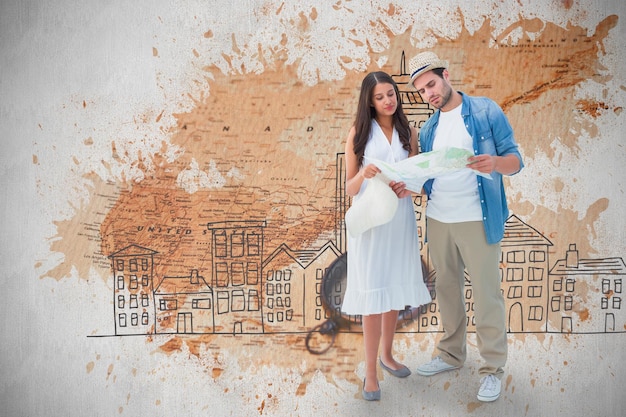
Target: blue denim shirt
(492,134)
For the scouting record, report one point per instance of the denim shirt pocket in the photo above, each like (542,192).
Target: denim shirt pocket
(485,142)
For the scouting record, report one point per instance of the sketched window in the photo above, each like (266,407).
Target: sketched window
(568,302)
(555,303)
(515,291)
(516,257)
(145,301)
(535,274)
(168,304)
(514,274)
(221,274)
(144,318)
(237,273)
(537,256)
(287,275)
(236,244)
(133,301)
(132,264)
(223,302)
(569,285)
(535,313)
(254,244)
(144,280)
(605,303)
(617,303)
(618,286)
(134,319)
(144,264)
(557,285)
(220,244)
(120,282)
(201,303)
(119,264)
(120,301)
(122,320)
(606,286)
(238,302)
(253,273)
(134,282)
(254,301)
(535,291)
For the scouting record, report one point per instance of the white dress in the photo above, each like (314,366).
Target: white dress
(384,264)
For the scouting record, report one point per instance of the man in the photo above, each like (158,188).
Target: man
(465,218)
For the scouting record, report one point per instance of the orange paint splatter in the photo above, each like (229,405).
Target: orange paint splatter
(584,315)
(172,345)
(301,390)
(592,108)
(473,406)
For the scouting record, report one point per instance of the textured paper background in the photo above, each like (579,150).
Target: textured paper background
(140,123)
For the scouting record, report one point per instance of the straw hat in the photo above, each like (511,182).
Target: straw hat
(423,62)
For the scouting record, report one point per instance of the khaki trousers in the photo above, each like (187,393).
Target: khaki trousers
(454,247)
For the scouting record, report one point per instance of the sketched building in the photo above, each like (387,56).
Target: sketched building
(133,286)
(237,253)
(292,288)
(586,295)
(184,305)
(524,267)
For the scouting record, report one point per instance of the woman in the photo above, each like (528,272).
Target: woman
(384,264)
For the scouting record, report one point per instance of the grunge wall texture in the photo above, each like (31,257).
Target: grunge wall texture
(172,199)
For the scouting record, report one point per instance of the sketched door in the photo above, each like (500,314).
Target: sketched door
(184,323)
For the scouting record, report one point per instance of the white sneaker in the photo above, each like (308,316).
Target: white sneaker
(435,366)
(490,387)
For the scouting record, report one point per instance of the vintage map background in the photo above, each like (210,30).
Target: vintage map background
(138,125)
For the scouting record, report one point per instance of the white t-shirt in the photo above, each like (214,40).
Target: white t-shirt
(454,197)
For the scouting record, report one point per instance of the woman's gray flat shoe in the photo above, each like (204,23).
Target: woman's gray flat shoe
(398,373)
(370,395)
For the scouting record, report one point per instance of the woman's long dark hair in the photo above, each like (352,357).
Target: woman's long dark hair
(365,112)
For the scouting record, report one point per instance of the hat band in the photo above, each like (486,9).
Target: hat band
(418,70)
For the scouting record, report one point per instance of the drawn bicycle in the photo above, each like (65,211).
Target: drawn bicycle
(321,338)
